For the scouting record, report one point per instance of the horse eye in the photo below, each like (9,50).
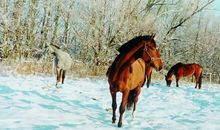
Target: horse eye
(150,47)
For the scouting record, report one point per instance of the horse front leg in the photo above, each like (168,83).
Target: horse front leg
(149,80)
(58,75)
(197,81)
(114,106)
(122,106)
(177,82)
(196,84)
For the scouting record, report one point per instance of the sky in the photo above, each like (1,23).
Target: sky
(216,4)
(216,7)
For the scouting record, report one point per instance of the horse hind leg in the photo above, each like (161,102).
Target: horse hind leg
(196,81)
(63,76)
(200,80)
(197,77)
(122,106)
(114,106)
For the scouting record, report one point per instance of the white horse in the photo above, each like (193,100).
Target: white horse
(62,62)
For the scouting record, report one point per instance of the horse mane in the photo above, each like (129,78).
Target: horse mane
(128,46)
(173,68)
(113,64)
(122,60)
(56,46)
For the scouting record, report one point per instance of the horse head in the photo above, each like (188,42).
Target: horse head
(168,80)
(51,48)
(151,53)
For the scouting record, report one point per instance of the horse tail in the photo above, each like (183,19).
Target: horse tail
(131,99)
(200,80)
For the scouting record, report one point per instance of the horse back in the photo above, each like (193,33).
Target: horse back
(189,69)
(198,68)
(63,60)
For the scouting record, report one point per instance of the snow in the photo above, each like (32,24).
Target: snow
(32,102)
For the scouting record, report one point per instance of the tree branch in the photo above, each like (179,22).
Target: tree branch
(183,20)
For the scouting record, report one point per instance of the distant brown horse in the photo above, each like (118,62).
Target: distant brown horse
(182,70)
(127,72)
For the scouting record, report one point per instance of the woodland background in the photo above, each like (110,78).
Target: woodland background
(91,31)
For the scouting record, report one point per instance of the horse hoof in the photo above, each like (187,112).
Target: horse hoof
(133,116)
(119,124)
(113,120)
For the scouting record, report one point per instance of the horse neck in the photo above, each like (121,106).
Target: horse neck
(55,50)
(128,63)
(170,72)
(128,56)
(133,58)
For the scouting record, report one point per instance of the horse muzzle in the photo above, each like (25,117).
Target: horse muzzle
(160,68)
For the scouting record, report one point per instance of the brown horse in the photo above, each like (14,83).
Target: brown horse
(127,72)
(148,72)
(182,70)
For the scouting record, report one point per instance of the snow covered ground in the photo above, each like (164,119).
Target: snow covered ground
(33,102)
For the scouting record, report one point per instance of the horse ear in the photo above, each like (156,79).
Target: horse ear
(153,36)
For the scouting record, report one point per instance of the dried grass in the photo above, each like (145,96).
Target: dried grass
(28,67)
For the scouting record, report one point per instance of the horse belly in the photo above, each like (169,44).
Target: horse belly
(137,75)
(189,71)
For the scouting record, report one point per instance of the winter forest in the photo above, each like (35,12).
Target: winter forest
(92,30)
